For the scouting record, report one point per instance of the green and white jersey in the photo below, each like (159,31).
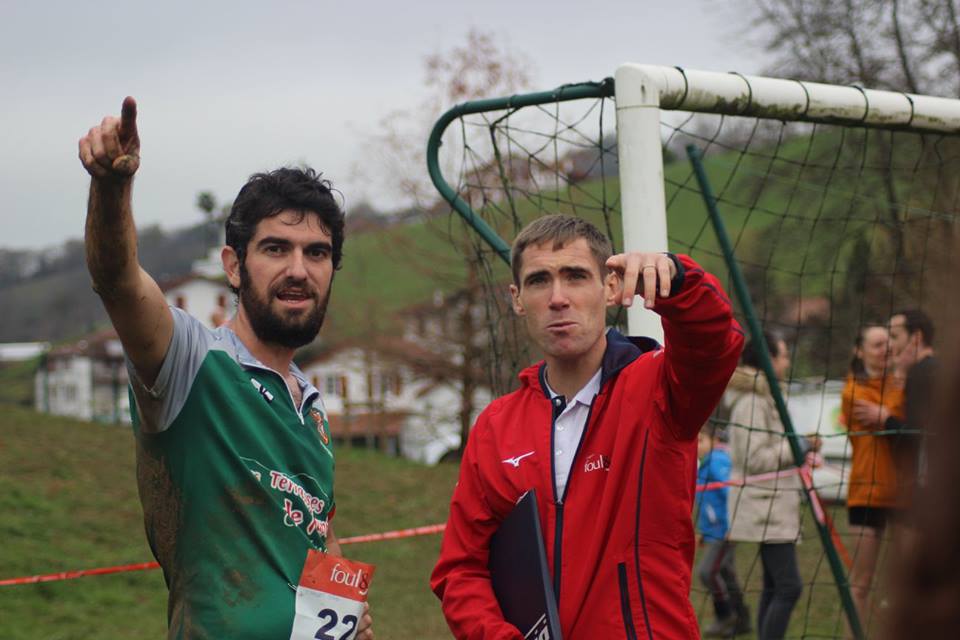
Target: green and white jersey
(236,484)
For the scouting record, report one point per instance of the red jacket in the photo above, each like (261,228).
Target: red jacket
(620,543)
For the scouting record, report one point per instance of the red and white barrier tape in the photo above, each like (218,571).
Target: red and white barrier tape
(142,566)
(760,477)
(405,533)
(67,575)
(393,535)
(806,479)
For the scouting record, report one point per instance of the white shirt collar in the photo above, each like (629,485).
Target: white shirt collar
(586,394)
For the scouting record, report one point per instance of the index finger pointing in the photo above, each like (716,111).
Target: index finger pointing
(128,119)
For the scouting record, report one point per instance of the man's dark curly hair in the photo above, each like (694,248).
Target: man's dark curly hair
(916,320)
(267,194)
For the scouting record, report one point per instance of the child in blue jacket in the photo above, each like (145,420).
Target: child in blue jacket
(716,565)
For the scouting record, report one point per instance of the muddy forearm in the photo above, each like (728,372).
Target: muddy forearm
(111,237)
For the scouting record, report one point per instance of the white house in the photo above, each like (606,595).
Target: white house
(433,430)
(401,395)
(206,298)
(20,351)
(379,394)
(88,378)
(814,407)
(85,380)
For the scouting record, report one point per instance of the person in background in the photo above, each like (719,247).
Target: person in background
(716,566)
(925,581)
(874,496)
(766,510)
(911,341)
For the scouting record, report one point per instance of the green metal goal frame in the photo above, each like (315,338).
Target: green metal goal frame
(640,92)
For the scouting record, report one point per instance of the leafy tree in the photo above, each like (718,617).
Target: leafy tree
(207,203)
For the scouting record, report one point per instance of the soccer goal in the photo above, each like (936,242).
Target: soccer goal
(829,207)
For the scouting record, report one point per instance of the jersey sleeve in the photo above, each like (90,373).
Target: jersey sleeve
(157,406)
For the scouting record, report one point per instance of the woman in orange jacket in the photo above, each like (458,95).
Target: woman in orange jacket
(873,496)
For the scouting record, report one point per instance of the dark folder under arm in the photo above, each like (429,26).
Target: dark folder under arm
(519,573)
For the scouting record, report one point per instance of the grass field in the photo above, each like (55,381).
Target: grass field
(68,501)
(818,613)
(16,382)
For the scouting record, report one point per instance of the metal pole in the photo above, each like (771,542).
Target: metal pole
(756,334)
(794,100)
(642,200)
(560,94)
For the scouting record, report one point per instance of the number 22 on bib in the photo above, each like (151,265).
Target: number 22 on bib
(330,597)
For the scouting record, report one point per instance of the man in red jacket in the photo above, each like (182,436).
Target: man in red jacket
(605,429)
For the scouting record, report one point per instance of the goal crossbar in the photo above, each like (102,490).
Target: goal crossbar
(733,93)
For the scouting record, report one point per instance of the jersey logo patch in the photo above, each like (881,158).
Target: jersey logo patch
(515,461)
(262,390)
(323,427)
(596,462)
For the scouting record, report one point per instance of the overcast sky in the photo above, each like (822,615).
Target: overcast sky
(229,88)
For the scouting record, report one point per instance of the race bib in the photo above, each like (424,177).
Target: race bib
(330,597)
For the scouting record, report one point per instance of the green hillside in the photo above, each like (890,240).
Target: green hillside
(57,302)
(810,192)
(839,220)
(390,269)
(68,501)
(750,188)
(794,222)
(16,382)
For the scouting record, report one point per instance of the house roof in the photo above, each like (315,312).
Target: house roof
(388,347)
(387,423)
(428,364)
(93,345)
(173,283)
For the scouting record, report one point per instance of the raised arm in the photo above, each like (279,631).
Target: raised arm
(703,341)
(110,152)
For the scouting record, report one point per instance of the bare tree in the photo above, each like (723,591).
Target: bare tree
(898,45)
(479,67)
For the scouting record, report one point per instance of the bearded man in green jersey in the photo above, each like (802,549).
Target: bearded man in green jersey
(234,464)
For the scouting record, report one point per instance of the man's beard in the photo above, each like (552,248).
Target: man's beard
(274,328)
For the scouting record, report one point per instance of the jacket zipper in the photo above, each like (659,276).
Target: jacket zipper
(628,627)
(636,539)
(558,500)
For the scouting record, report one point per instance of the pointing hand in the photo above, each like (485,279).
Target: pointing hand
(112,148)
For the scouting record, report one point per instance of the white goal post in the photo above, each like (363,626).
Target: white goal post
(643,90)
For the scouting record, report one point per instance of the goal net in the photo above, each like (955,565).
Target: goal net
(839,204)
